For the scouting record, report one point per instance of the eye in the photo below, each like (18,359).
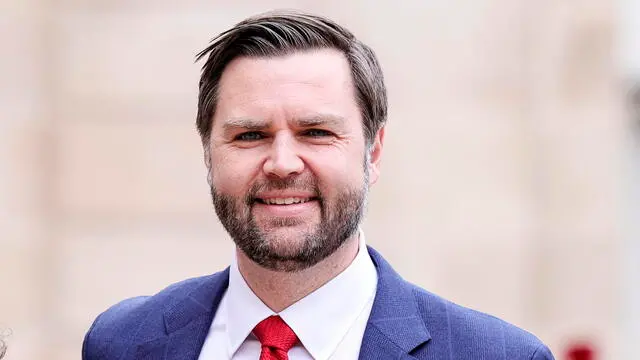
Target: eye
(316,133)
(249,136)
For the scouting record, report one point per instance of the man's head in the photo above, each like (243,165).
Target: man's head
(291,112)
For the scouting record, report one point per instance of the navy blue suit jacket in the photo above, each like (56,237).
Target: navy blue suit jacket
(406,322)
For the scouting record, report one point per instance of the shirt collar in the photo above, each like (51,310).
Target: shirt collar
(336,306)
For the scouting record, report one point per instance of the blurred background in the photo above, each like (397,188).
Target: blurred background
(510,179)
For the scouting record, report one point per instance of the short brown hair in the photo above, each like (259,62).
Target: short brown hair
(279,33)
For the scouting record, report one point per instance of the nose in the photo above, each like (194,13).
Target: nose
(283,160)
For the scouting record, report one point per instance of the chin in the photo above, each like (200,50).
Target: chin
(295,226)
(288,237)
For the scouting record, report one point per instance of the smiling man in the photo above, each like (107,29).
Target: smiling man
(291,113)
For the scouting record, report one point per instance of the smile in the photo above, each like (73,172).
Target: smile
(285,201)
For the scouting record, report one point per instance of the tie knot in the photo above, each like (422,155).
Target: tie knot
(273,332)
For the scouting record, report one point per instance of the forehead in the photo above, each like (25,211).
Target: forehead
(313,81)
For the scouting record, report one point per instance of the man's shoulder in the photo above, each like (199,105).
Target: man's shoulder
(114,329)
(451,324)
(130,311)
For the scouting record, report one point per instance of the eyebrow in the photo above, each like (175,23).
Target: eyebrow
(252,124)
(244,123)
(320,119)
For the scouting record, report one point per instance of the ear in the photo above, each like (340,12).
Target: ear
(375,156)
(207,163)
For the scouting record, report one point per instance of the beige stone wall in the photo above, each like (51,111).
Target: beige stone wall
(501,183)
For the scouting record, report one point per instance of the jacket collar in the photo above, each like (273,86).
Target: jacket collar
(395,327)
(186,322)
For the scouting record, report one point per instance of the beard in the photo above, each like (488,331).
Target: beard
(340,217)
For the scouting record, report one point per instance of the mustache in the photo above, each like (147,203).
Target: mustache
(306,184)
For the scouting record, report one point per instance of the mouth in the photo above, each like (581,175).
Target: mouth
(283,201)
(285,207)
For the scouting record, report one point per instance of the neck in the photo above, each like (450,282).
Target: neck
(279,290)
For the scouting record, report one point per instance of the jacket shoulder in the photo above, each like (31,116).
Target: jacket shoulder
(114,329)
(465,331)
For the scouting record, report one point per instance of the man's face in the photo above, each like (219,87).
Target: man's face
(288,166)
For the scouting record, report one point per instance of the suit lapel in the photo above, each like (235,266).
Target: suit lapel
(187,323)
(395,327)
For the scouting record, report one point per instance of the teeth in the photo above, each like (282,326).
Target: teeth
(286,201)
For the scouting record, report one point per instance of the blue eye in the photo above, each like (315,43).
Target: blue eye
(317,133)
(250,136)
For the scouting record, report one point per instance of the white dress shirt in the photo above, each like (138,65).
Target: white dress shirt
(329,322)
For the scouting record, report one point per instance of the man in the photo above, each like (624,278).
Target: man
(291,112)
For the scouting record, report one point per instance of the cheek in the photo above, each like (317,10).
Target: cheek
(232,176)
(335,173)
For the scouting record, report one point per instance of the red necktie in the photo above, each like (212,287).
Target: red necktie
(276,338)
